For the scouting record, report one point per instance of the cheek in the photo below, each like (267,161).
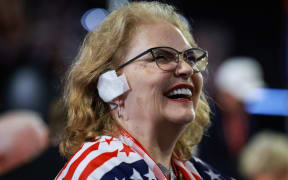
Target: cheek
(146,83)
(146,76)
(198,84)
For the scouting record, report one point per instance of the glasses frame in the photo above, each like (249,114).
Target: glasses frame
(205,56)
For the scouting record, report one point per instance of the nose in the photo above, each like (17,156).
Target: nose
(183,69)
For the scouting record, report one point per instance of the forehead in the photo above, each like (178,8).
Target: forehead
(156,34)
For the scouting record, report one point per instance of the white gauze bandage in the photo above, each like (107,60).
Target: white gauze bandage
(111,86)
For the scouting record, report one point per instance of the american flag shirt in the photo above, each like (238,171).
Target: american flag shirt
(123,158)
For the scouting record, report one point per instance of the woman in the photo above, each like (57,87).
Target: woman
(265,157)
(134,98)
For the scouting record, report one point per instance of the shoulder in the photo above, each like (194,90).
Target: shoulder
(101,159)
(206,171)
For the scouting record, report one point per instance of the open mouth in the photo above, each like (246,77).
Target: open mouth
(180,93)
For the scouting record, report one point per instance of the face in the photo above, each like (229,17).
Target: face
(151,88)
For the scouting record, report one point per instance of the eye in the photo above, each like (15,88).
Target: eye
(190,57)
(197,58)
(163,55)
(194,55)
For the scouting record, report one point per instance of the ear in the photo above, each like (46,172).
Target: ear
(119,101)
(111,86)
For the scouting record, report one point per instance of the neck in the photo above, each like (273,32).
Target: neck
(158,140)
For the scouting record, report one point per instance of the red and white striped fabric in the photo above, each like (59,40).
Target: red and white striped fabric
(118,158)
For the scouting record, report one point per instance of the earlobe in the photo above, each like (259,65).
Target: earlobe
(119,103)
(119,111)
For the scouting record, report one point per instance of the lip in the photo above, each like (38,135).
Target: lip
(181,100)
(178,86)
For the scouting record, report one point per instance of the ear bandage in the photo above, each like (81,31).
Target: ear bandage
(111,86)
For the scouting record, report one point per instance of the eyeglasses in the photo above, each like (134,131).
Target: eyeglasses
(167,58)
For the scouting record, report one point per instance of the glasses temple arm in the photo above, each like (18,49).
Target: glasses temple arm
(133,59)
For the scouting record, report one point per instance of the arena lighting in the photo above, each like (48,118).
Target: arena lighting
(92,18)
(269,102)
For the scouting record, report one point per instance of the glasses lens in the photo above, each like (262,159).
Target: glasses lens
(165,58)
(197,58)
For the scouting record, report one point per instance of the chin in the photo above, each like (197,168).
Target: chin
(180,112)
(182,118)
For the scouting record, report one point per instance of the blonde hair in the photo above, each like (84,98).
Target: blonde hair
(266,153)
(88,115)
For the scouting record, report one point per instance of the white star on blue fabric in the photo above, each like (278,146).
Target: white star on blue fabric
(150,175)
(199,160)
(136,175)
(119,179)
(213,175)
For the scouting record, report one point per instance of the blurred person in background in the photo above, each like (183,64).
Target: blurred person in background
(265,157)
(23,132)
(236,79)
(23,137)
(33,54)
(135,101)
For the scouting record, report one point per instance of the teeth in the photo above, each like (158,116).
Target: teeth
(184,91)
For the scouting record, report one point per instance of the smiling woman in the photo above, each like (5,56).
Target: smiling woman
(148,109)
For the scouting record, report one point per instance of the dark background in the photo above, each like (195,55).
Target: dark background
(49,33)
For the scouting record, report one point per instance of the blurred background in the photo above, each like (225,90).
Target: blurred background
(246,81)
